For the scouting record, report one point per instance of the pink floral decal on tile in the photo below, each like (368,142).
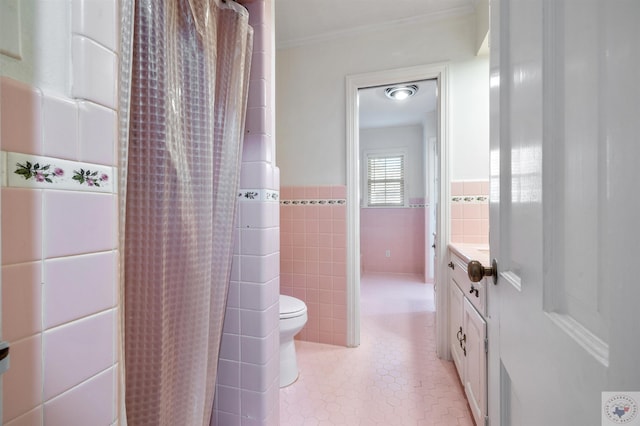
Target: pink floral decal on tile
(89,177)
(37,172)
(34,171)
(249,195)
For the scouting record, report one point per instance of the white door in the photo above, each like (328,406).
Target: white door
(564,318)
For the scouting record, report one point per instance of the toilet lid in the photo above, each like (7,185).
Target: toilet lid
(291,307)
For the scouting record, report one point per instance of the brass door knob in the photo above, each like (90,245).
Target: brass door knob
(477,272)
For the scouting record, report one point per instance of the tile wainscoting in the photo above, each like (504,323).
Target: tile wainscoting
(313,258)
(59,256)
(470,212)
(399,232)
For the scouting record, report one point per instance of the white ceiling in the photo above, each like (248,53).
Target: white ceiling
(376,110)
(303,21)
(300,22)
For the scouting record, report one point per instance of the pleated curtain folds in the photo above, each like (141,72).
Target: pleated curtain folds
(186,105)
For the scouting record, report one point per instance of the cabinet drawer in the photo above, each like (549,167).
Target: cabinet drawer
(475,292)
(459,270)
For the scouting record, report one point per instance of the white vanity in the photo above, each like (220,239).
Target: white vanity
(467,324)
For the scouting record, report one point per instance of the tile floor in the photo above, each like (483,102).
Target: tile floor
(393,378)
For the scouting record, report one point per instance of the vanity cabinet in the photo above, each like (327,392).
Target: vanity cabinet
(456,321)
(468,334)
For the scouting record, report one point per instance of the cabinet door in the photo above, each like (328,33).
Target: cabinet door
(475,372)
(455,326)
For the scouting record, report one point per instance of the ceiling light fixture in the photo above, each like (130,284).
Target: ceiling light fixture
(399,93)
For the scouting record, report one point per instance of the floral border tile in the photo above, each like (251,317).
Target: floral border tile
(35,171)
(258,195)
(331,202)
(469,199)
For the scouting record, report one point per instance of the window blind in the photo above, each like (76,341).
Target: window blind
(385,180)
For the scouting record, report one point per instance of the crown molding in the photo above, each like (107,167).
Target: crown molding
(385,26)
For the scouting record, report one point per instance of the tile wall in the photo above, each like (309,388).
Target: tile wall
(59,234)
(313,258)
(59,242)
(470,212)
(247,391)
(398,232)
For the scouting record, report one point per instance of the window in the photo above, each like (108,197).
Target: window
(385,180)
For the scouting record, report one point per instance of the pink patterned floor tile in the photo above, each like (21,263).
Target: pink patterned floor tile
(393,378)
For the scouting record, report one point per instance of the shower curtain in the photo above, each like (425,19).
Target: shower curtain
(185,78)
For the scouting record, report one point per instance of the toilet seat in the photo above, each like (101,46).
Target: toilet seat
(290,307)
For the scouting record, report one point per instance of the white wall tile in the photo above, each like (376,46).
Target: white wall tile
(260,269)
(78,286)
(255,296)
(60,127)
(259,350)
(256,175)
(229,373)
(227,400)
(258,378)
(230,347)
(21,300)
(78,223)
(96,19)
(256,242)
(91,403)
(94,72)
(77,351)
(98,133)
(10,31)
(22,383)
(258,323)
(255,405)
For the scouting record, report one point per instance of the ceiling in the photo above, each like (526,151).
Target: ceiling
(304,21)
(376,110)
(300,22)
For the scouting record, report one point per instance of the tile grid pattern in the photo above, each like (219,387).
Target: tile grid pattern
(247,388)
(59,248)
(470,212)
(401,231)
(393,378)
(313,259)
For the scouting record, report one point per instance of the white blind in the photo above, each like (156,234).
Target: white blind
(385,185)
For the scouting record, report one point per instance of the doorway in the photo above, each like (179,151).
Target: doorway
(395,137)
(438,73)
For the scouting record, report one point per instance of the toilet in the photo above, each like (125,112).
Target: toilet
(293,316)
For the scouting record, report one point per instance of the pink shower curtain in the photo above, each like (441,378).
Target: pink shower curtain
(188,90)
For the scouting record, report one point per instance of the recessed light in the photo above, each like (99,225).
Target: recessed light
(398,93)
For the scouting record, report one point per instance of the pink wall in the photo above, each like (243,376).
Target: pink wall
(399,230)
(59,238)
(313,258)
(470,212)
(247,390)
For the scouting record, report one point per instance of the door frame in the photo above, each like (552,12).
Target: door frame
(439,72)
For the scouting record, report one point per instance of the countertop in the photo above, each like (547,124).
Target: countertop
(469,252)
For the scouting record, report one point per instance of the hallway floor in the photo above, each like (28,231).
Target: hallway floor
(393,378)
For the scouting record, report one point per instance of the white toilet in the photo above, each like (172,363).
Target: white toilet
(293,316)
